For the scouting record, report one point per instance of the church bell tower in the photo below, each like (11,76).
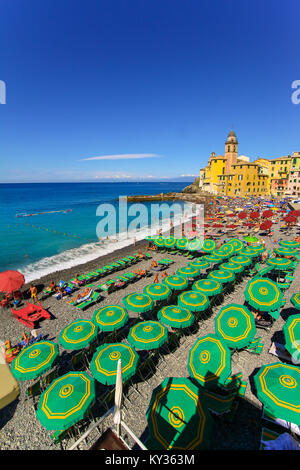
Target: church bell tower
(231,150)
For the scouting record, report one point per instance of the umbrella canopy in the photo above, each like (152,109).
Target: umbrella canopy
(194,245)
(236,243)
(199,264)
(295,300)
(148,335)
(240,259)
(235,325)
(290,219)
(263,294)
(267,214)
(254,215)
(79,334)
(182,243)
(177,416)
(175,282)
(158,291)
(279,263)
(291,331)
(188,272)
(221,253)
(278,388)
(210,361)
(266,225)
(208,245)
(289,243)
(242,215)
(285,251)
(250,239)
(34,360)
(234,267)
(104,364)
(110,318)
(159,241)
(250,252)
(66,401)
(139,303)
(193,300)
(226,249)
(10,281)
(169,242)
(213,259)
(222,275)
(207,287)
(175,316)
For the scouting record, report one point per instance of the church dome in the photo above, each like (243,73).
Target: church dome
(231,137)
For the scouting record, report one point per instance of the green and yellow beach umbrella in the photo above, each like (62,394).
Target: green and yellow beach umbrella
(234,267)
(110,318)
(210,361)
(236,243)
(295,300)
(66,401)
(278,388)
(182,243)
(78,334)
(34,360)
(208,245)
(259,248)
(178,418)
(239,259)
(158,291)
(285,251)
(249,252)
(138,303)
(188,272)
(193,301)
(194,245)
(207,287)
(175,316)
(291,331)
(263,294)
(175,282)
(221,253)
(225,250)
(147,335)
(169,242)
(104,363)
(235,325)
(159,241)
(279,263)
(222,275)
(199,264)
(212,259)
(289,243)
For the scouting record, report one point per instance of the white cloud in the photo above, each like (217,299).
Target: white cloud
(185,176)
(124,156)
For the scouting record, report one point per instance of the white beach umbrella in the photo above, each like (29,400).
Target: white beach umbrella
(118,398)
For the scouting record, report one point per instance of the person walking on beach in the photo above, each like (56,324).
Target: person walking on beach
(155,279)
(33,292)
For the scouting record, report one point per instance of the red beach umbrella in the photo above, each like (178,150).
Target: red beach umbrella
(242,215)
(11,281)
(248,224)
(217,225)
(290,219)
(231,226)
(254,215)
(267,214)
(294,213)
(266,225)
(230,215)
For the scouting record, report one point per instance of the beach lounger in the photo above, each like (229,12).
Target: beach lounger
(83,304)
(107,287)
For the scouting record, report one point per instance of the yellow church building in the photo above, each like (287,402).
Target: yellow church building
(233,175)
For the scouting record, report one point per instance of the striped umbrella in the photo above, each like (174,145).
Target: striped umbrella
(34,360)
(236,243)
(182,243)
(210,361)
(239,259)
(286,251)
(188,272)
(158,291)
(159,241)
(291,331)
(221,253)
(207,287)
(199,264)
(66,401)
(194,301)
(249,252)
(175,282)
(78,334)
(289,243)
(147,335)
(278,388)
(175,316)
(222,275)
(139,303)
(214,259)
(177,416)
(208,245)
(110,318)
(194,245)
(169,242)
(104,363)
(279,263)
(263,294)
(235,325)
(226,249)
(234,267)
(295,300)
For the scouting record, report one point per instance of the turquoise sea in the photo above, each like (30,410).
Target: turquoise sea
(39,244)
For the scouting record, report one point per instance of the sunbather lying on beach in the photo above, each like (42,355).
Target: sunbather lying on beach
(81,297)
(153,264)
(140,255)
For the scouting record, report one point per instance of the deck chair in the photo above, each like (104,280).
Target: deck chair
(48,379)
(217,403)
(78,361)
(267,435)
(87,303)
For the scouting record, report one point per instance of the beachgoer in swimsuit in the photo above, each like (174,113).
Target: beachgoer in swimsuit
(79,296)
(33,292)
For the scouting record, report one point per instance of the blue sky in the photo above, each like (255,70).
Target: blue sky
(165,80)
